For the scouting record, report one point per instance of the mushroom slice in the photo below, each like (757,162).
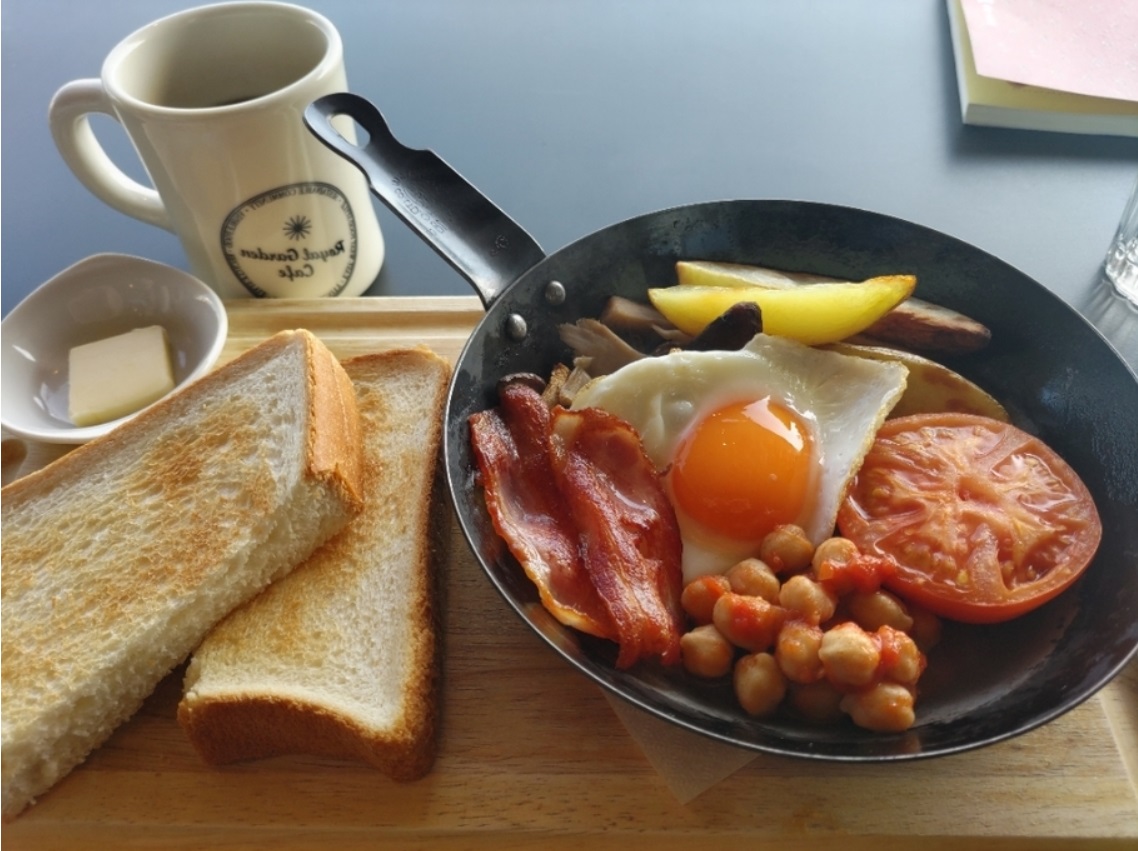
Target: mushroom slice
(624,314)
(593,339)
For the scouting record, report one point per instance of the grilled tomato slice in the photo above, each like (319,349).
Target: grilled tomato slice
(985,521)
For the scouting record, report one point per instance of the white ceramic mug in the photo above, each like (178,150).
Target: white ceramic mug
(212,99)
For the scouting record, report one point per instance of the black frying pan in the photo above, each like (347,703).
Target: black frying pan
(1051,369)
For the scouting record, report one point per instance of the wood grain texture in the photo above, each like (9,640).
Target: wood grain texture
(533,755)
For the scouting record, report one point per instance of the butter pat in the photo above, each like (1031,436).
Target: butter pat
(117,376)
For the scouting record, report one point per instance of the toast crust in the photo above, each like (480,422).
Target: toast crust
(334,442)
(288,672)
(121,555)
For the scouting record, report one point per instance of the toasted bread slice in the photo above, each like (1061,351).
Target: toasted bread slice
(340,657)
(119,557)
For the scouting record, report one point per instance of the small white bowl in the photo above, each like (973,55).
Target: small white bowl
(101,296)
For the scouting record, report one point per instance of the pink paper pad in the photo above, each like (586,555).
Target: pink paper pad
(1088,47)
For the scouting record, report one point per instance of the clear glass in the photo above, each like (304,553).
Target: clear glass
(1122,259)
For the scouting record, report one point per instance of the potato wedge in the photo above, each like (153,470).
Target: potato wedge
(932,387)
(821,313)
(711,273)
(913,324)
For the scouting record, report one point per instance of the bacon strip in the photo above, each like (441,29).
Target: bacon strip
(583,510)
(630,540)
(512,448)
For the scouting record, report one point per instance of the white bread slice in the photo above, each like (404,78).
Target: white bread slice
(340,657)
(119,557)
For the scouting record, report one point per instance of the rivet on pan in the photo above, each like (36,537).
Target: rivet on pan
(555,292)
(516,327)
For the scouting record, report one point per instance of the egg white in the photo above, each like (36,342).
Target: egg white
(841,400)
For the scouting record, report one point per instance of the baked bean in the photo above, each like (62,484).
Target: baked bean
(878,608)
(759,684)
(839,550)
(926,628)
(748,622)
(705,652)
(699,596)
(796,652)
(839,566)
(818,701)
(807,599)
(901,661)
(884,708)
(786,549)
(849,655)
(754,577)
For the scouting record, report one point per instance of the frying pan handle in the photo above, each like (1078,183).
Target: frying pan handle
(481,242)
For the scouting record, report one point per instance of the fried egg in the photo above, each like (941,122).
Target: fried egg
(751,439)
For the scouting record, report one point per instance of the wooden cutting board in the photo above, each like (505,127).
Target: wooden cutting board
(531,754)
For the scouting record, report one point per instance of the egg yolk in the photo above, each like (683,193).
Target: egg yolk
(744,469)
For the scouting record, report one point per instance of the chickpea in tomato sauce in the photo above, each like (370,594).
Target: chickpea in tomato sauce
(810,631)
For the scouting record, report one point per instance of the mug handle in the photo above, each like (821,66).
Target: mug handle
(71,130)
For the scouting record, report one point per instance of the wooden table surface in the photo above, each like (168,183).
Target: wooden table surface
(532,755)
